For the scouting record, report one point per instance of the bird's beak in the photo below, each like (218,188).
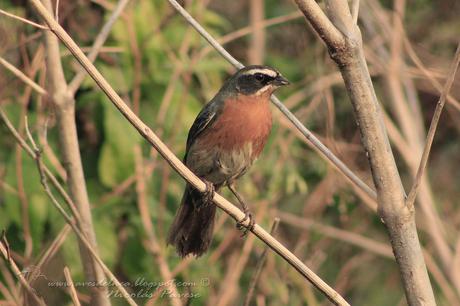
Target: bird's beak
(280,81)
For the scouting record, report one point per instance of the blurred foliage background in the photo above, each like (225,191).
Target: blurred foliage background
(166,72)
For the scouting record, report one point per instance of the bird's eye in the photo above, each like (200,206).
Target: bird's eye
(259,76)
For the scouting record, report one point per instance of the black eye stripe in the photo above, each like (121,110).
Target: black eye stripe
(249,83)
(259,76)
(265,78)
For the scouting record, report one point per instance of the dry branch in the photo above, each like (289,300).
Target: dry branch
(152,241)
(27,21)
(98,43)
(178,166)
(65,110)
(72,291)
(44,174)
(405,105)
(433,126)
(22,76)
(398,218)
(260,266)
(4,249)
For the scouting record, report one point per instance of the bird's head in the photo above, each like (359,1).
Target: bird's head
(257,80)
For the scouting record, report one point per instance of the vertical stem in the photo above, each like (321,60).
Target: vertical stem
(70,151)
(398,217)
(257,45)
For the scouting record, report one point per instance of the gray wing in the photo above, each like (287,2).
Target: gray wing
(205,119)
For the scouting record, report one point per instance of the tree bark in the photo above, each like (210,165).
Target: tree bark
(65,113)
(398,218)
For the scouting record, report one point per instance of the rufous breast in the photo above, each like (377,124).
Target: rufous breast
(243,120)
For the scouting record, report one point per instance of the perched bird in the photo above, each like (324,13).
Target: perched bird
(226,138)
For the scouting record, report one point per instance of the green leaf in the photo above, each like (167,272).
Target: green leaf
(116,162)
(106,239)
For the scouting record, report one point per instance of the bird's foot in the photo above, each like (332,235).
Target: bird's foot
(208,193)
(246,228)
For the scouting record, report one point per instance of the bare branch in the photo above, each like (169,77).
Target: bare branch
(365,243)
(65,114)
(247,30)
(406,108)
(97,45)
(411,52)
(24,20)
(319,21)
(71,221)
(69,281)
(48,173)
(4,249)
(398,218)
(256,51)
(433,126)
(22,76)
(177,165)
(152,245)
(355,11)
(260,266)
(44,174)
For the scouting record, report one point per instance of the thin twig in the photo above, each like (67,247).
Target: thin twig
(48,173)
(247,30)
(152,245)
(229,284)
(32,68)
(98,43)
(72,223)
(52,249)
(365,243)
(44,174)
(56,16)
(22,76)
(433,126)
(4,249)
(325,152)
(70,285)
(355,10)
(429,75)
(24,20)
(256,51)
(260,265)
(176,164)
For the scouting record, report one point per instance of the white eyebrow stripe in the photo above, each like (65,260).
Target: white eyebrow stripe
(261,70)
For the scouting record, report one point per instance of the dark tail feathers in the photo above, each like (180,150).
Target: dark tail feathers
(193,226)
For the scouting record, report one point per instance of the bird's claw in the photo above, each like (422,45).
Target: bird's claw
(208,194)
(246,228)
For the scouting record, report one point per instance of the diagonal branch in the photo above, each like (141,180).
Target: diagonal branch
(45,174)
(27,21)
(433,126)
(4,250)
(70,284)
(22,76)
(176,164)
(320,22)
(260,265)
(97,45)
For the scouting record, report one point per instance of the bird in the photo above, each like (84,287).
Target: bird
(225,139)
